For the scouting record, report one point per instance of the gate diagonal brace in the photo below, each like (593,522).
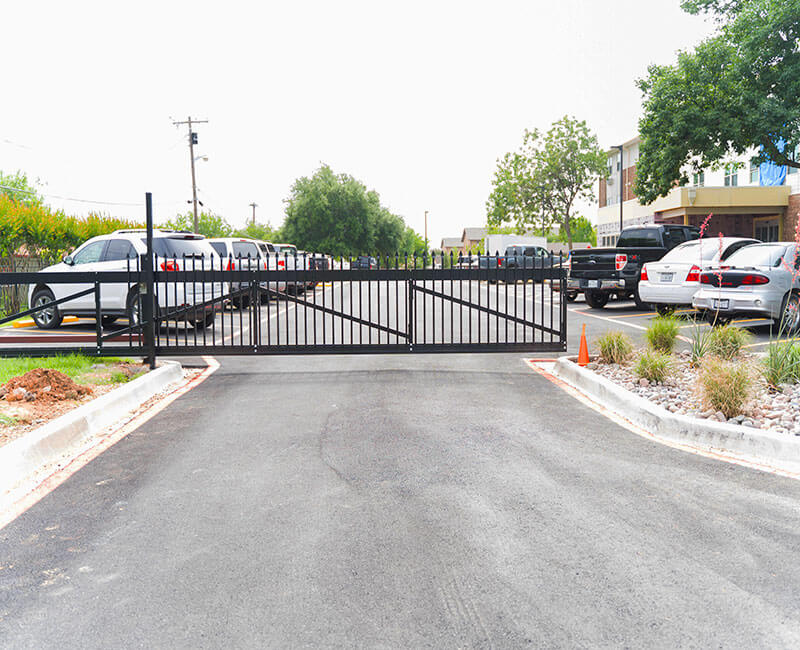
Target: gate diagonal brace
(285,296)
(487,310)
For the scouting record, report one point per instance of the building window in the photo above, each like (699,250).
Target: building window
(753,172)
(793,156)
(698,180)
(731,175)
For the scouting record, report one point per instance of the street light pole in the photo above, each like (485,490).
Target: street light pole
(621,188)
(192,142)
(254,206)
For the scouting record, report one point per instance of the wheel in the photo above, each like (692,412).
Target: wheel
(203,323)
(572,296)
(596,299)
(790,314)
(109,320)
(665,310)
(640,304)
(50,317)
(242,302)
(134,308)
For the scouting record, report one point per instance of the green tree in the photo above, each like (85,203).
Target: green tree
(208,223)
(263,231)
(17,187)
(582,230)
(540,184)
(336,214)
(737,90)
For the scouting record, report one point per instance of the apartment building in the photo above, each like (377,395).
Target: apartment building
(740,199)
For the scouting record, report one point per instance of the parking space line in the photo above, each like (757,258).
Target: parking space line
(755,345)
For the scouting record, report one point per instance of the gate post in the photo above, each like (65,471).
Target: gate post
(410,305)
(148,308)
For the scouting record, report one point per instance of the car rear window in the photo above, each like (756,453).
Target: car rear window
(644,238)
(178,247)
(245,249)
(695,252)
(757,255)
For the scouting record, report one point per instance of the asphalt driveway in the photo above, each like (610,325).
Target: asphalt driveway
(406,501)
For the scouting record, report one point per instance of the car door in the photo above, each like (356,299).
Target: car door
(119,254)
(84,260)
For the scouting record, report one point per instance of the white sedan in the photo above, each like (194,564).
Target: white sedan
(675,278)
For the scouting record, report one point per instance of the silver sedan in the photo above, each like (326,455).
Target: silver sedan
(760,280)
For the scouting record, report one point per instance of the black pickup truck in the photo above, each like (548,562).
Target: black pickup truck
(603,272)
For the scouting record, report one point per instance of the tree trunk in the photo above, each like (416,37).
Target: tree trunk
(568,230)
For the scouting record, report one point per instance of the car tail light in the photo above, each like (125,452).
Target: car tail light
(755,279)
(694,274)
(620,261)
(706,278)
(230,266)
(644,273)
(281,264)
(169,265)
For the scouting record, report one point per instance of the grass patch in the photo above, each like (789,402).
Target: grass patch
(7,421)
(74,366)
(662,333)
(653,366)
(782,363)
(727,341)
(725,386)
(615,347)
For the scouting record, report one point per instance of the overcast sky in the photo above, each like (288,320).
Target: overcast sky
(415,99)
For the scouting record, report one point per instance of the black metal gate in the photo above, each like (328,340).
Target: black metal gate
(310,305)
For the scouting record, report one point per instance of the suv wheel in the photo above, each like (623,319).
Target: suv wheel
(134,308)
(50,317)
(790,314)
(596,299)
(572,296)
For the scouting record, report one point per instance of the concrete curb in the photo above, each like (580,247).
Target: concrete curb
(53,441)
(753,445)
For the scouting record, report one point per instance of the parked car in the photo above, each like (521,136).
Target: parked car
(518,257)
(288,259)
(121,251)
(603,272)
(760,280)
(675,278)
(239,254)
(269,253)
(364,262)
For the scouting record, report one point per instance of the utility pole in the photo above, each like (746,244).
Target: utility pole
(426,230)
(254,206)
(192,142)
(621,188)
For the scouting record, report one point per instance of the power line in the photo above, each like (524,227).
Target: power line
(68,198)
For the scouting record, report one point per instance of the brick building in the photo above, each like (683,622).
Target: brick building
(741,204)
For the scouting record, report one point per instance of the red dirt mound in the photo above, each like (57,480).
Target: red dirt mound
(43,384)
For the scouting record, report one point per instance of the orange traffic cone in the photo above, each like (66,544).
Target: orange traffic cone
(583,352)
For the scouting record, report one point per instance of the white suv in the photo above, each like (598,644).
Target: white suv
(121,251)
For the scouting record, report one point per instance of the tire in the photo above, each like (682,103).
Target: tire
(640,304)
(203,323)
(596,299)
(715,319)
(789,323)
(46,319)
(134,308)
(572,296)
(242,302)
(109,320)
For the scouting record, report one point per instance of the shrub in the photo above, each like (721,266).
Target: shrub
(725,386)
(615,347)
(653,366)
(662,333)
(727,341)
(782,363)
(700,341)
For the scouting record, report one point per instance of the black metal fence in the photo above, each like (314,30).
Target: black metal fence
(291,304)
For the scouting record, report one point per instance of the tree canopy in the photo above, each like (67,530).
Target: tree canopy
(208,224)
(336,214)
(736,91)
(18,188)
(539,185)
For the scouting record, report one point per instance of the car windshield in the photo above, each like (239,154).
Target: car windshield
(697,251)
(757,255)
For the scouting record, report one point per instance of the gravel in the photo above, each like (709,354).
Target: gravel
(778,411)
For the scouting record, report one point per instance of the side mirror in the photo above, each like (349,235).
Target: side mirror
(67,259)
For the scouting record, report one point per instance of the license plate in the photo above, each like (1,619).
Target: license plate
(667,277)
(719,304)
(593,284)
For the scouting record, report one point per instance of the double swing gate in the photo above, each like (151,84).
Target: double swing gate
(295,305)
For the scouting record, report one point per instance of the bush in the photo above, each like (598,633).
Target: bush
(782,363)
(727,341)
(653,366)
(662,333)
(725,386)
(615,347)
